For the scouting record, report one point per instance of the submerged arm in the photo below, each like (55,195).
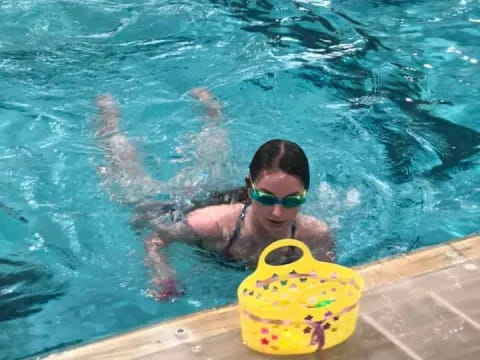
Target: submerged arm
(320,241)
(326,249)
(163,276)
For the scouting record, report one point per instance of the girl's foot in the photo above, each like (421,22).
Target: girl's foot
(212,106)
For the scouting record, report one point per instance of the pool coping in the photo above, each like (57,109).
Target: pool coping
(193,329)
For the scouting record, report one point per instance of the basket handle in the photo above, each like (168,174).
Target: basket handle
(306,256)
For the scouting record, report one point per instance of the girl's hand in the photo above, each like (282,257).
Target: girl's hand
(165,285)
(165,289)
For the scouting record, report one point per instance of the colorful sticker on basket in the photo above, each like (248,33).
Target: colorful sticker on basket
(323,303)
(266,282)
(354,284)
(292,274)
(303,277)
(318,336)
(317,328)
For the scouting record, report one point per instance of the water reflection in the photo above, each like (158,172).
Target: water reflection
(331,49)
(24,288)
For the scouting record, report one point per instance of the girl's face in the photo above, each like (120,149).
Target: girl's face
(280,184)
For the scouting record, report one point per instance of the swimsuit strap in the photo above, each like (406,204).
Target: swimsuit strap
(238,227)
(236,231)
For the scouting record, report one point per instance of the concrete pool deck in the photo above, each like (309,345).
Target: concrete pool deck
(422,305)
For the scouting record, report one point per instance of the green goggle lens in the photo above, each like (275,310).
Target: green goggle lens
(267,199)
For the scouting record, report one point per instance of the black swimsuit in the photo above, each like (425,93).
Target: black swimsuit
(236,232)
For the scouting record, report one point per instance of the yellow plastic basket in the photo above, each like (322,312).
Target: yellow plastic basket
(300,307)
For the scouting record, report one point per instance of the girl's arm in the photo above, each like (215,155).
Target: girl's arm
(163,277)
(318,237)
(197,230)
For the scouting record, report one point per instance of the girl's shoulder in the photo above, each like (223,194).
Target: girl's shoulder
(212,221)
(316,234)
(309,227)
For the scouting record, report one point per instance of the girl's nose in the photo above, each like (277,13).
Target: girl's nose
(277,210)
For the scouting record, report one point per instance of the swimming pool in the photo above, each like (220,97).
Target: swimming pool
(383,96)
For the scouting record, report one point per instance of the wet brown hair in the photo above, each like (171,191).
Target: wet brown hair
(283,155)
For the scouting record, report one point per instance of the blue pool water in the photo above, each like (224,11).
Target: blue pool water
(383,96)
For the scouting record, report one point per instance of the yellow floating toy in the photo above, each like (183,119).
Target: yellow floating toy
(300,307)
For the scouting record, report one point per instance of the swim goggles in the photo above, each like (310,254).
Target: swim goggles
(268,199)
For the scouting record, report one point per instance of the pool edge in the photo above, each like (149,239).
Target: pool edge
(157,338)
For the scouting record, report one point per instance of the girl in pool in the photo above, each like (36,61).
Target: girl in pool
(238,224)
